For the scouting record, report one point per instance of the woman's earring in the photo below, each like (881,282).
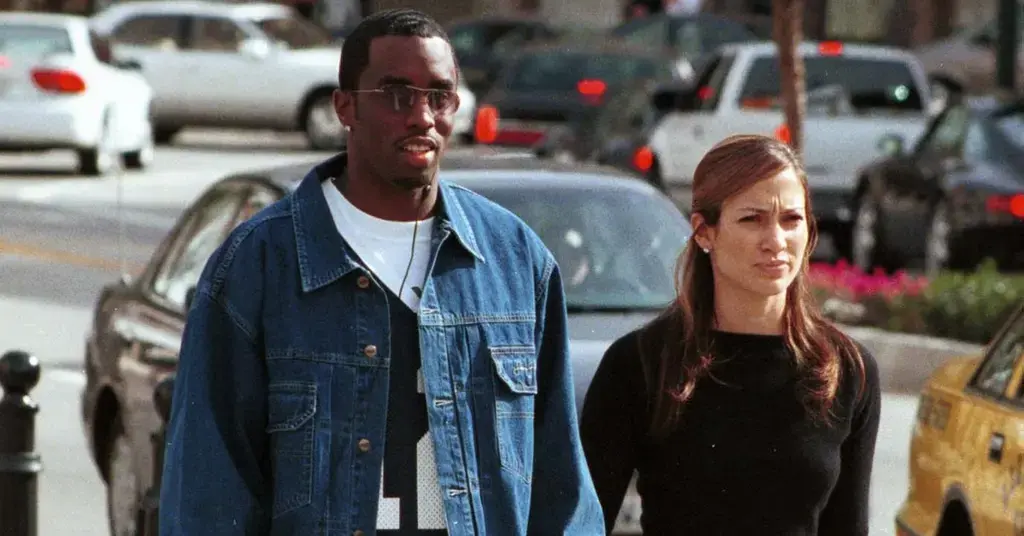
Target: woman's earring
(706,250)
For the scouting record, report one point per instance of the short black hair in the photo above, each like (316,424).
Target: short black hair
(404,22)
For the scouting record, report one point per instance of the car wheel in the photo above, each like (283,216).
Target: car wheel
(936,247)
(323,130)
(864,236)
(122,485)
(99,160)
(142,158)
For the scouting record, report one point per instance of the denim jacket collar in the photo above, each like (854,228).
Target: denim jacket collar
(323,254)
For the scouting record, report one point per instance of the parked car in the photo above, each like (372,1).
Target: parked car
(855,94)
(548,84)
(61,88)
(950,200)
(235,65)
(483,44)
(966,452)
(616,240)
(617,133)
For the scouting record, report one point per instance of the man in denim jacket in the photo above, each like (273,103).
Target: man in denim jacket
(379,352)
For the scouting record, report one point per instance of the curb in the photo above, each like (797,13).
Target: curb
(906,361)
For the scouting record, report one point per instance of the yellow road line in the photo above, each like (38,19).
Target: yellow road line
(61,257)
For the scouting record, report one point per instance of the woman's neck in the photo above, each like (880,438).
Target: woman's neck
(739,311)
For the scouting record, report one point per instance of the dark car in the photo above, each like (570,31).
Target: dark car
(615,238)
(692,37)
(617,133)
(550,84)
(482,44)
(954,199)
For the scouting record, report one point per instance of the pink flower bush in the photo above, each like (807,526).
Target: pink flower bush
(850,283)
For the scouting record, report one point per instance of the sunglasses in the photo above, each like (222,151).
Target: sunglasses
(403,98)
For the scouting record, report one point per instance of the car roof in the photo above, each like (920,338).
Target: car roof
(485,168)
(57,20)
(858,50)
(195,7)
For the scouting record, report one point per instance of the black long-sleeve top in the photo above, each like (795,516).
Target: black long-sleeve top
(746,457)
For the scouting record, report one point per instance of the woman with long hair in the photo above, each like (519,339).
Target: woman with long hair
(742,409)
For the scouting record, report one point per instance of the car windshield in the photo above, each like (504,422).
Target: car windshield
(33,42)
(616,249)
(871,84)
(561,71)
(294,32)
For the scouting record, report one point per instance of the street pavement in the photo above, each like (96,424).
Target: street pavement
(63,237)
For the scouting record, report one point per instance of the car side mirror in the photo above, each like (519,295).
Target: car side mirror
(891,144)
(190,296)
(256,49)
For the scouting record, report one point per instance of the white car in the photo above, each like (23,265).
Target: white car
(60,88)
(466,114)
(230,65)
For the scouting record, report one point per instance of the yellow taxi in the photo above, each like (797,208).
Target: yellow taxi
(967,448)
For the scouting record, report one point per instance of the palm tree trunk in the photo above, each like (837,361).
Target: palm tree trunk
(787,29)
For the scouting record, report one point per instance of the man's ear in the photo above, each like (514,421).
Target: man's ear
(703,233)
(344,107)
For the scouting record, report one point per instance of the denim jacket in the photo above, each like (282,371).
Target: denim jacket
(283,375)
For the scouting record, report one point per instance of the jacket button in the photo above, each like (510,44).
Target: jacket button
(364,445)
(363,281)
(370,350)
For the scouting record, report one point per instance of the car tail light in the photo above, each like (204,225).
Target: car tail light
(643,159)
(783,134)
(830,48)
(705,93)
(486,127)
(591,90)
(58,80)
(1009,204)
(4,62)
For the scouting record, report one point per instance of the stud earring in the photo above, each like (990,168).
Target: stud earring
(706,250)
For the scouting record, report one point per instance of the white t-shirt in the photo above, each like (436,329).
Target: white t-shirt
(385,246)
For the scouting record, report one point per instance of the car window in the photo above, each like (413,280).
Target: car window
(976,146)
(216,34)
(294,32)
(649,31)
(869,83)
(101,48)
(259,199)
(561,71)
(206,229)
(948,132)
(151,31)
(994,374)
(611,253)
(1011,127)
(33,42)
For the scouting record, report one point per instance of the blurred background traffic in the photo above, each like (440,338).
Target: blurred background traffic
(135,135)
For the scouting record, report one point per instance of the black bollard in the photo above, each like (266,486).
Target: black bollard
(151,504)
(20,465)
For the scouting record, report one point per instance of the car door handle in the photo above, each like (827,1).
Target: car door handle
(698,131)
(995,447)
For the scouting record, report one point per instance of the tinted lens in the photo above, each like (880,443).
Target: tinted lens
(404,98)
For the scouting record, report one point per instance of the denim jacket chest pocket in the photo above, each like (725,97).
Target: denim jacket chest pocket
(291,408)
(515,393)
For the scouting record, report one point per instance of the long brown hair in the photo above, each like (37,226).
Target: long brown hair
(687,351)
